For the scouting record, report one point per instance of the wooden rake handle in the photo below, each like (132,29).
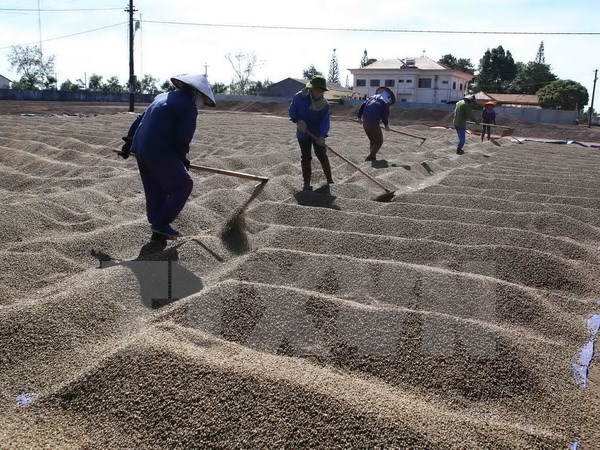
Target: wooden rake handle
(488,125)
(400,132)
(374,180)
(230,173)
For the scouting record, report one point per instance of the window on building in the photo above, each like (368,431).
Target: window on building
(444,82)
(425,83)
(454,85)
(403,100)
(375,83)
(361,83)
(389,83)
(461,87)
(400,81)
(409,81)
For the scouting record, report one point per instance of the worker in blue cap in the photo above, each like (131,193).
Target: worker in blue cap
(309,110)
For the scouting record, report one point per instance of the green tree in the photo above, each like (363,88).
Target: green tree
(95,82)
(462,64)
(310,73)
(68,85)
(167,86)
(50,83)
(563,94)
(448,60)
(36,70)
(365,59)
(259,87)
(244,65)
(497,69)
(485,78)
(112,85)
(540,58)
(148,85)
(465,65)
(531,78)
(219,88)
(334,71)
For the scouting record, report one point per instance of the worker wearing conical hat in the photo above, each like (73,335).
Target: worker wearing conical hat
(160,138)
(374,110)
(488,115)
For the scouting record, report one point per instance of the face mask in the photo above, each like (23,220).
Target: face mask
(385,97)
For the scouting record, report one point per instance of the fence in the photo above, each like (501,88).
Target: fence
(71,96)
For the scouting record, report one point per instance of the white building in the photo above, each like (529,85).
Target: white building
(4,82)
(418,80)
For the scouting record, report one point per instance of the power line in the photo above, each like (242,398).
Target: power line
(65,36)
(378,30)
(59,10)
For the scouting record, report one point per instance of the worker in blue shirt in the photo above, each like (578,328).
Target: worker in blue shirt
(160,139)
(488,115)
(309,110)
(374,110)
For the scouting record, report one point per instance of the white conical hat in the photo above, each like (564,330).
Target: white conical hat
(198,82)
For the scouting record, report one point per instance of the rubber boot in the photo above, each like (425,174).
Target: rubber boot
(326,169)
(306,173)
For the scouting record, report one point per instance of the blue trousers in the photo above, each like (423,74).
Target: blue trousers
(167,186)
(462,136)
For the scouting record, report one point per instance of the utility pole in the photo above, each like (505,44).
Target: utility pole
(40,24)
(592,104)
(131,10)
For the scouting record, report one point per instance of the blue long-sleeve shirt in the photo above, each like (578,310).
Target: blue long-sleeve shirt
(315,114)
(166,127)
(374,110)
(488,116)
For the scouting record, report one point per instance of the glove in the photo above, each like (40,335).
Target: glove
(126,149)
(301,126)
(186,163)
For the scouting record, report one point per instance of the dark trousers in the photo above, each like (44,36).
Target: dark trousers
(306,148)
(373,131)
(167,186)
(486,129)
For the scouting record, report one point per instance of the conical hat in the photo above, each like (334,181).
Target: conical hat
(198,82)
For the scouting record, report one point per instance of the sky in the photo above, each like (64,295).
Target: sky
(387,29)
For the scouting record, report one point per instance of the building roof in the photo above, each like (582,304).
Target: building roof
(330,86)
(516,99)
(421,63)
(2,76)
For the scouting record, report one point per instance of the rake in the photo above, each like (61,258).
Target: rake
(508,131)
(386,197)
(236,222)
(399,132)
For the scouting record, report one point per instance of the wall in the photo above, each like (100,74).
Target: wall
(527,114)
(71,96)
